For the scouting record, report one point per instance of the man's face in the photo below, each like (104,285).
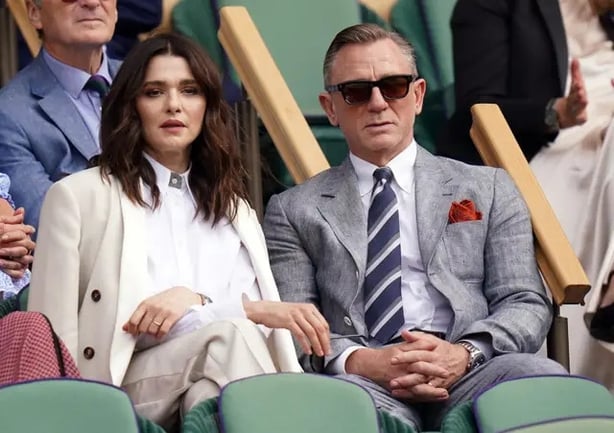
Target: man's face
(380,128)
(74,24)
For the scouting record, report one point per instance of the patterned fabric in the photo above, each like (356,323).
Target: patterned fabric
(27,349)
(5,185)
(98,84)
(382,289)
(9,286)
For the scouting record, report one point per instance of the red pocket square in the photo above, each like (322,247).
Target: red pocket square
(463,211)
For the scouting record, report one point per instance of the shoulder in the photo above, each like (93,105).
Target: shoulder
(316,185)
(86,184)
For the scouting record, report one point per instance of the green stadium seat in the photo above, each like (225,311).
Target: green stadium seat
(69,406)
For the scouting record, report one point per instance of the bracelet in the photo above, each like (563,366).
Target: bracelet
(204,299)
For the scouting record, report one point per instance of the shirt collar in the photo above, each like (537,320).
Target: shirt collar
(402,167)
(163,177)
(73,79)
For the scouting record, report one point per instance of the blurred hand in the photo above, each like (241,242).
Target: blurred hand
(15,244)
(572,109)
(303,320)
(157,314)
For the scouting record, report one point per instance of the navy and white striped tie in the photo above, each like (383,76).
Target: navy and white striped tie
(382,288)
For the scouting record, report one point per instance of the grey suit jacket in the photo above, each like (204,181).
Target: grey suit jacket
(42,135)
(317,241)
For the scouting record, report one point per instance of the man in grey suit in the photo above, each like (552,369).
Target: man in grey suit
(423,266)
(50,111)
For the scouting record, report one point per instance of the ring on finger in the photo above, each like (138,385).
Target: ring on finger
(155,322)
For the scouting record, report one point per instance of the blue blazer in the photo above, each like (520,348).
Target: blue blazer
(42,135)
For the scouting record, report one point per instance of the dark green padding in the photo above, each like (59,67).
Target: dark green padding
(522,402)
(577,425)
(296,403)
(202,418)
(459,419)
(66,406)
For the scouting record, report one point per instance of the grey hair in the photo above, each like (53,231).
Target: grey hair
(364,34)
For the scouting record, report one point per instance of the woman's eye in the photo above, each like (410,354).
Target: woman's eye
(191,90)
(152,92)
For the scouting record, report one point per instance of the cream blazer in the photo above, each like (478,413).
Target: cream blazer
(91,266)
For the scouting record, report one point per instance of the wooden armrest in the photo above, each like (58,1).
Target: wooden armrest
(20,15)
(556,259)
(270,94)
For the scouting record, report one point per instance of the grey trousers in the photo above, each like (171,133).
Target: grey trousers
(428,416)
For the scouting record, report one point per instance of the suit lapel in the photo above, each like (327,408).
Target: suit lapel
(132,278)
(340,205)
(554,23)
(60,109)
(434,193)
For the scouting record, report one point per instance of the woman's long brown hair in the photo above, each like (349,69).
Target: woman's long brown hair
(217,178)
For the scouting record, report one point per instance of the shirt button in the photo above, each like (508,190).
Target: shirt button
(96,295)
(347,321)
(89,352)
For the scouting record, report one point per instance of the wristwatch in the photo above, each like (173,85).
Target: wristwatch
(204,299)
(551,117)
(476,357)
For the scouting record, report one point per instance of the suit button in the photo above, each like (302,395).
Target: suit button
(347,321)
(88,352)
(96,295)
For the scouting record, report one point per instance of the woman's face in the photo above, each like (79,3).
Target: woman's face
(171,106)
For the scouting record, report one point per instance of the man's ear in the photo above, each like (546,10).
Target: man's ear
(34,15)
(326,102)
(419,89)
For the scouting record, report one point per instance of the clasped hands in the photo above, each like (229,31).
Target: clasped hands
(421,369)
(157,314)
(15,244)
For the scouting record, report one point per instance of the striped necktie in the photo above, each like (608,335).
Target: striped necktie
(98,84)
(382,288)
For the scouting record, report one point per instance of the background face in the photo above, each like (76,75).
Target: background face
(171,107)
(74,24)
(380,129)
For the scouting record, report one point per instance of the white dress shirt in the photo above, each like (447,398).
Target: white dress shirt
(424,307)
(184,250)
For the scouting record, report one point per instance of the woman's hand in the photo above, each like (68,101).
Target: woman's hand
(304,320)
(157,314)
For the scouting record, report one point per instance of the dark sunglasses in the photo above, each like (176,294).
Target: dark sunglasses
(359,92)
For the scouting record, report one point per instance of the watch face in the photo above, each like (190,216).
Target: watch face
(479,360)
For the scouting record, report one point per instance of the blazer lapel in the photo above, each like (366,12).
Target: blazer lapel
(340,205)
(132,279)
(61,110)
(248,229)
(551,13)
(434,193)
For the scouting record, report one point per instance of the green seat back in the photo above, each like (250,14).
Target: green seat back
(297,403)
(527,401)
(297,33)
(577,425)
(66,406)
(425,23)
(196,19)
